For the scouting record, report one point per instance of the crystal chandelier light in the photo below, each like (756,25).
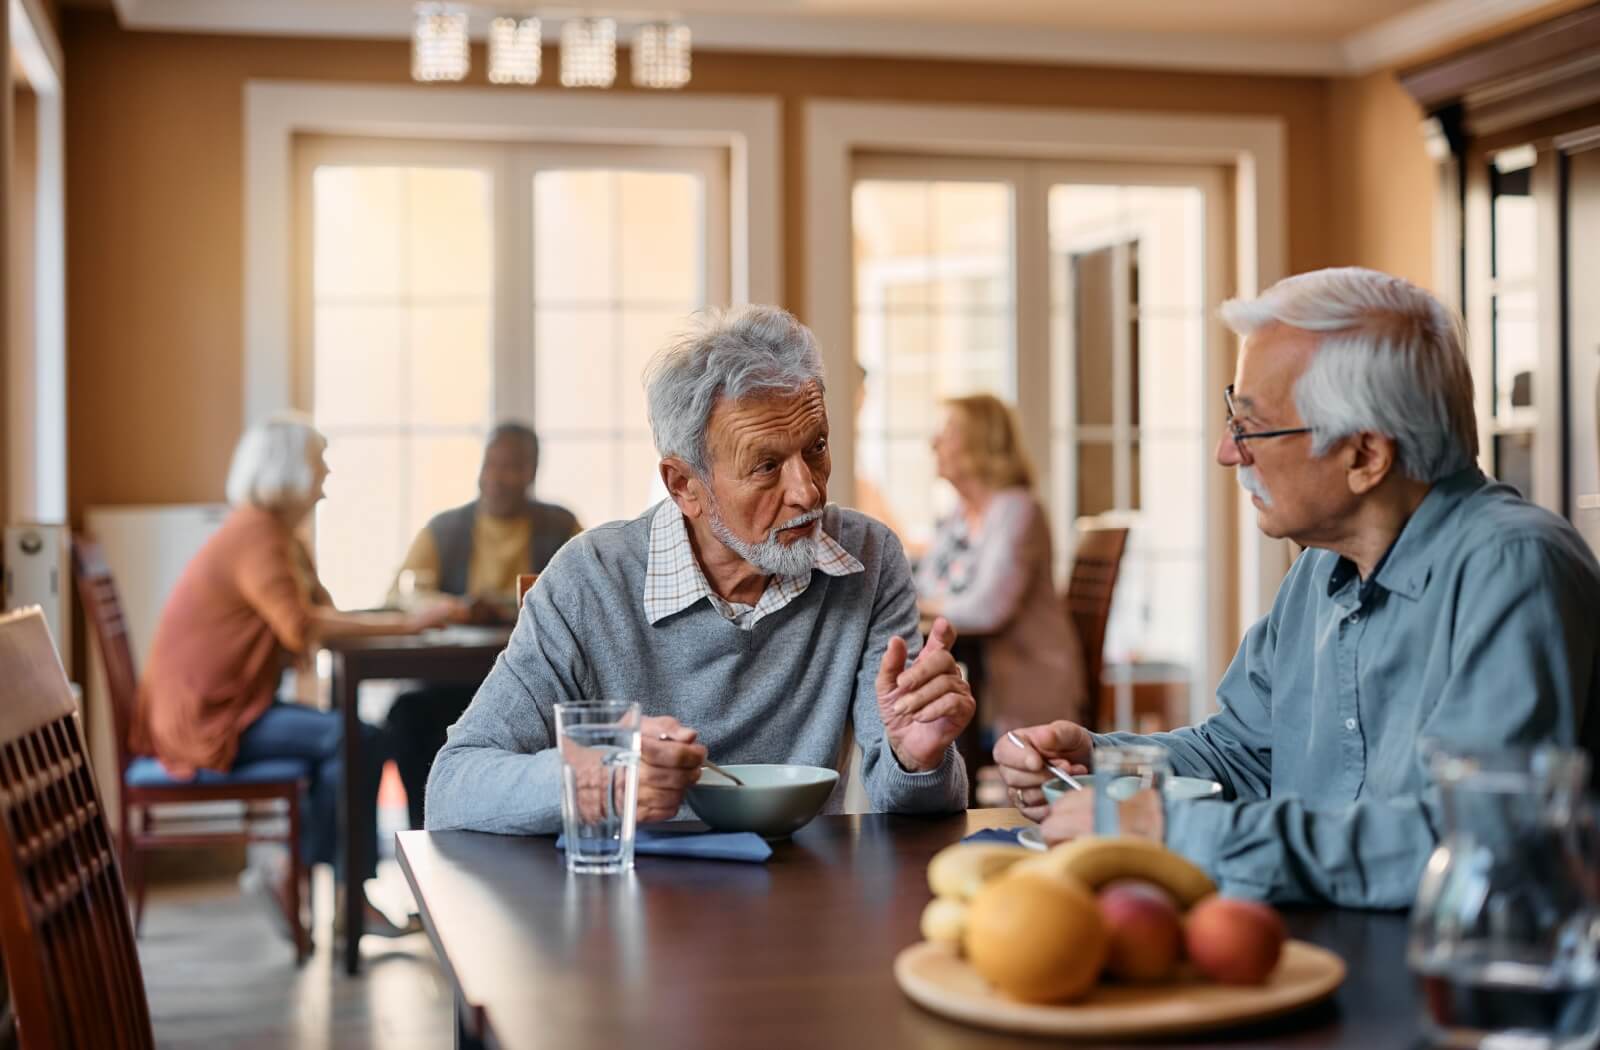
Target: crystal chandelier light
(439,42)
(661,55)
(588,52)
(515,50)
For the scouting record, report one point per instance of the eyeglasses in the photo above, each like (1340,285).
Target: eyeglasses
(1239,434)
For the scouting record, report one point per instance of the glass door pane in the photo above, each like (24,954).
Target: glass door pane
(402,357)
(935,308)
(1128,315)
(619,263)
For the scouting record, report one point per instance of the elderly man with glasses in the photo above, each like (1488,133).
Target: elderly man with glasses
(1434,604)
(751,620)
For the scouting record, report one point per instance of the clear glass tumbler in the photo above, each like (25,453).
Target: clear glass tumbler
(599,743)
(1130,783)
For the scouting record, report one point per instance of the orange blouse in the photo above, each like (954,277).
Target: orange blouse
(241,607)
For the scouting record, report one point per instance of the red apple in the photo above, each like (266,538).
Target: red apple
(1234,941)
(1146,931)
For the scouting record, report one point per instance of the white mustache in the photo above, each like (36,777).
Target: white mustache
(794,523)
(1252,484)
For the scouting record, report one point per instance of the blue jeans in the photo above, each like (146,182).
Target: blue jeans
(296,731)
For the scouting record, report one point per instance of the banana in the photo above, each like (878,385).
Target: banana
(1095,861)
(944,921)
(959,871)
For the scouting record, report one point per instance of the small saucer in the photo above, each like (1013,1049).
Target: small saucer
(1029,838)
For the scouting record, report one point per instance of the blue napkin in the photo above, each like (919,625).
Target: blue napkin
(706,845)
(1003,836)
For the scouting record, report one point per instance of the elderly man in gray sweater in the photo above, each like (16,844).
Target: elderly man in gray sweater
(751,621)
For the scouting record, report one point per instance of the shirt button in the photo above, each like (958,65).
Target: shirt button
(1355,617)
(1350,724)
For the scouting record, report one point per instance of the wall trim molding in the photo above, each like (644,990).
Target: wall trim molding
(1434,25)
(748,126)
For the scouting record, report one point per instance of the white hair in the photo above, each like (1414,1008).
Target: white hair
(1390,362)
(272,464)
(737,353)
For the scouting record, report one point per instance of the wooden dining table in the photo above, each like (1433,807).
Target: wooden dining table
(461,655)
(795,952)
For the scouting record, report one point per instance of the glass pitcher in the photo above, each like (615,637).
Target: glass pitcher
(1505,931)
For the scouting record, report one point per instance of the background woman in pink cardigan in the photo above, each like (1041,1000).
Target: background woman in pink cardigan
(989,570)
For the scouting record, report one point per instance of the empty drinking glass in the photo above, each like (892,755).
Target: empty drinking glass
(1129,787)
(599,743)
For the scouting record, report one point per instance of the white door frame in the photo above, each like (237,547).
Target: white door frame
(834,132)
(36,383)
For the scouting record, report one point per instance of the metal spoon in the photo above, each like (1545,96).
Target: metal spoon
(1060,774)
(718,769)
(708,763)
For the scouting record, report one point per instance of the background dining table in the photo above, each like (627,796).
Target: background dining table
(461,655)
(798,951)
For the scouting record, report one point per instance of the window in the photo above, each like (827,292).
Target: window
(1128,319)
(450,286)
(1514,302)
(935,297)
(956,293)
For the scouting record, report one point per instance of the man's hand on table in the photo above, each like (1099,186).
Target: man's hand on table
(669,762)
(924,706)
(1065,745)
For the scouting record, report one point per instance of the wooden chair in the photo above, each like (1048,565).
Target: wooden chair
(64,928)
(525,582)
(268,792)
(1095,564)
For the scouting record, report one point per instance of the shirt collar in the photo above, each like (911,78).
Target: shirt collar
(673,579)
(1405,567)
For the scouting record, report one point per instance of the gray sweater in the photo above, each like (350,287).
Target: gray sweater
(790,689)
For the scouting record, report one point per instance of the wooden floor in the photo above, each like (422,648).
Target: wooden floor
(220,975)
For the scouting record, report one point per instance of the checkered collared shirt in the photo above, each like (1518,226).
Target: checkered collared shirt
(673,579)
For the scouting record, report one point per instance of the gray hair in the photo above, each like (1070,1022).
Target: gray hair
(272,464)
(736,353)
(1390,362)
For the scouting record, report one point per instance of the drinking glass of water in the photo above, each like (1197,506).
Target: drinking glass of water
(1129,790)
(599,742)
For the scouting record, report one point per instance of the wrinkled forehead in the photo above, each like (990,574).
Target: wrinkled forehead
(776,422)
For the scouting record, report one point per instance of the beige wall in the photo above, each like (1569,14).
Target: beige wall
(154,211)
(1381,183)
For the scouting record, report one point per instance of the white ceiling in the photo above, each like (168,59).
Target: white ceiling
(1304,36)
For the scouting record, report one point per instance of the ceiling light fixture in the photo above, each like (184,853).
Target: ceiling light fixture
(661,55)
(439,48)
(589,52)
(515,50)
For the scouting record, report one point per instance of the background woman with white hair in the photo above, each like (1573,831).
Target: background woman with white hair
(243,608)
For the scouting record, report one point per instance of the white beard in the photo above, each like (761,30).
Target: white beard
(1252,484)
(771,556)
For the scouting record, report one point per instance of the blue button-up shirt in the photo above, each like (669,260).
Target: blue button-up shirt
(1480,628)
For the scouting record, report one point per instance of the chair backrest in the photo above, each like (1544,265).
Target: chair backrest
(525,582)
(1095,564)
(102,608)
(64,927)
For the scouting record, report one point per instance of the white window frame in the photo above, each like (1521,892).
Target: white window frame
(749,128)
(511,168)
(1042,385)
(1252,148)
